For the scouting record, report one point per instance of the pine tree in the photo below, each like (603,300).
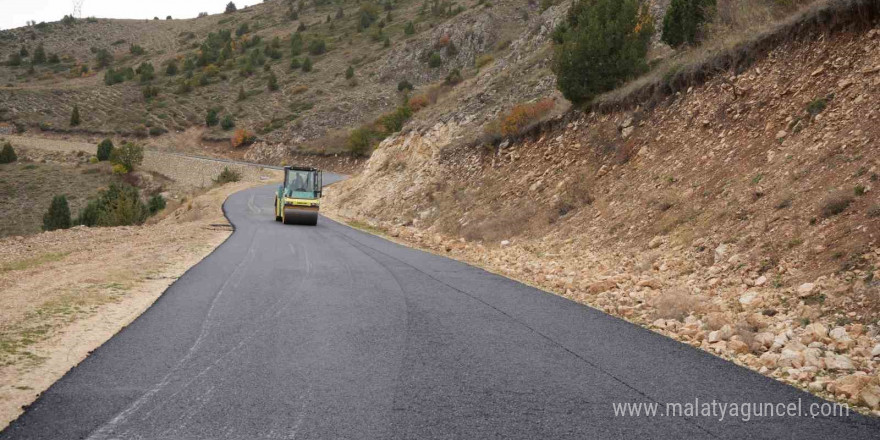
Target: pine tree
(7,154)
(599,45)
(349,74)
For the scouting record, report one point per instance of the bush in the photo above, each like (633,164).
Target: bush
(454,77)
(58,216)
(317,47)
(150,92)
(835,204)
(349,73)
(272,82)
(136,50)
(146,71)
(483,61)
(105,150)
(296,44)
(435,60)
(404,85)
(128,156)
(39,55)
(307,65)
(230,8)
(227,176)
(74,116)
(522,116)
(599,45)
(393,122)
(212,119)
(7,154)
(360,141)
(410,29)
(227,123)
(241,94)
(118,205)
(242,137)
(172,68)
(103,58)
(156,204)
(683,19)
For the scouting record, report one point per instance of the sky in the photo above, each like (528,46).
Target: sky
(16,13)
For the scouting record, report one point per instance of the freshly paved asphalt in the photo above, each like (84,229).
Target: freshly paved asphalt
(330,333)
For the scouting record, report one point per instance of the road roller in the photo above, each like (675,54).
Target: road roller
(299,198)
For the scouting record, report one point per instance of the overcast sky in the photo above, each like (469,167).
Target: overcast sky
(15,13)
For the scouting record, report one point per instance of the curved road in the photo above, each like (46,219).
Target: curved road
(330,333)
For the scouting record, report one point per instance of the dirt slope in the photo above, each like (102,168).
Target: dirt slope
(741,217)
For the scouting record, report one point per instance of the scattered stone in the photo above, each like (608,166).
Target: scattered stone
(805,290)
(655,242)
(602,286)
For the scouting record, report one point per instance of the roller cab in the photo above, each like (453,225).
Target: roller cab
(298,200)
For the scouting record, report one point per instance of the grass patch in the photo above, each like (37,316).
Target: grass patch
(31,263)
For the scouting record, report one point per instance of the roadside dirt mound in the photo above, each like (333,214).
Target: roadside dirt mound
(741,217)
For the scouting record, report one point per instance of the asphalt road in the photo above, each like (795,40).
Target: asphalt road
(330,333)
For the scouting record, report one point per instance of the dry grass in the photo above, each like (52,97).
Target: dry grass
(676,303)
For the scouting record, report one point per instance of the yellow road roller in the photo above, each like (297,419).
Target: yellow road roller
(299,199)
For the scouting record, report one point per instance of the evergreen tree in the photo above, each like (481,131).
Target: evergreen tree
(599,45)
(74,116)
(58,216)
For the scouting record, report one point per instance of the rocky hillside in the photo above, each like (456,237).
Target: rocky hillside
(740,216)
(499,49)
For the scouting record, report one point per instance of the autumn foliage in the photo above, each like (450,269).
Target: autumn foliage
(243,137)
(522,116)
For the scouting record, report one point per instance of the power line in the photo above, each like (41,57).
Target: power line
(77,8)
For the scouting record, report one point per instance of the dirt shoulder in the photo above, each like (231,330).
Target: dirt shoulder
(64,293)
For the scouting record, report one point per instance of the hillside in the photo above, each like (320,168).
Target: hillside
(740,216)
(310,111)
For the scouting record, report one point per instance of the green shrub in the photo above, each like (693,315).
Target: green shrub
(410,29)
(404,85)
(136,50)
(599,45)
(119,205)
(349,73)
(156,204)
(129,155)
(103,58)
(171,69)
(227,176)
(227,123)
(150,92)
(7,154)
(295,63)
(307,65)
(360,141)
(682,21)
(54,59)
(58,216)
(74,116)
(212,119)
(105,150)
(272,82)
(317,47)
(230,8)
(146,71)
(454,77)
(296,44)
(39,55)
(393,122)
(435,60)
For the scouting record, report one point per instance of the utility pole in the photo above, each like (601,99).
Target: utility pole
(77,8)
